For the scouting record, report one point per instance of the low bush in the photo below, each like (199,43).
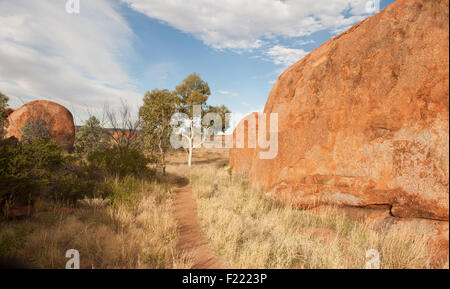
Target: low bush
(25,169)
(121,161)
(72,187)
(14,240)
(125,191)
(91,137)
(35,130)
(39,169)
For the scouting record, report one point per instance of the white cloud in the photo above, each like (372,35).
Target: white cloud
(76,59)
(255,26)
(245,24)
(302,42)
(228,93)
(285,56)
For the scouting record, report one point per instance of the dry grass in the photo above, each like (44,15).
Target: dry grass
(252,230)
(137,233)
(245,228)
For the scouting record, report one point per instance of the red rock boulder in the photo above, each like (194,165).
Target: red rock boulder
(59,118)
(242,152)
(364,119)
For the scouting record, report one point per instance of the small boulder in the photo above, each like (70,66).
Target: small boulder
(58,117)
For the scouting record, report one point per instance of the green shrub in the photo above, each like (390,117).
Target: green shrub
(26,168)
(91,137)
(125,191)
(3,104)
(76,180)
(70,188)
(15,240)
(120,162)
(37,129)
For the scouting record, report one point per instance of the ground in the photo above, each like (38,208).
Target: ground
(205,216)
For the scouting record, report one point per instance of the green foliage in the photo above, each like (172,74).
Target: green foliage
(91,137)
(37,168)
(73,187)
(192,91)
(125,191)
(120,161)
(35,129)
(3,105)
(40,170)
(12,241)
(26,168)
(156,113)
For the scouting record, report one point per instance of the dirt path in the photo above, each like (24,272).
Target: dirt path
(191,238)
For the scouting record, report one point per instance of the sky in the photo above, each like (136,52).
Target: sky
(116,50)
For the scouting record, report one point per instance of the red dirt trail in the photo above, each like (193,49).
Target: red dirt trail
(191,239)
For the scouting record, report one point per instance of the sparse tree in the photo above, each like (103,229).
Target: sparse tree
(35,129)
(3,122)
(193,91)
(124,127)
(91,137)
(156,113)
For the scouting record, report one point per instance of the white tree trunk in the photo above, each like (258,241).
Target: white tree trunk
(191,143)
(190,155)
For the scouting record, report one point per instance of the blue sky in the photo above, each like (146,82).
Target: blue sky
(119,49)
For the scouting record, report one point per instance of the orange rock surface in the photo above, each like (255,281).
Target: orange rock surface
(241,158)
(364,119)
(60,119)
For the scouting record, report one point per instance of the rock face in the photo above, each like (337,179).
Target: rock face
(241,158)
(364,119)
(57,116)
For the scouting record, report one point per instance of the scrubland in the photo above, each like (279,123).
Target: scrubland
(250,229)
(135,230)
(134,227)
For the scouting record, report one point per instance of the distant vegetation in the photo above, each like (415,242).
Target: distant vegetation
(3,105)
(103,199)
(35,129)
(91,137)
(110,193)
(159,107)
(156,112)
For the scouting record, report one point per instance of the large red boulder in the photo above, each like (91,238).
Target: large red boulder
(59,118)
(364,119)
(241,156)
